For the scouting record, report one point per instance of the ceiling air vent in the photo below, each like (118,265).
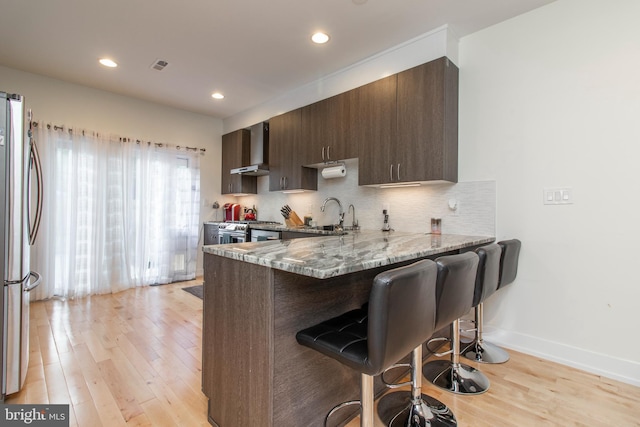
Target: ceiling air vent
(159,65)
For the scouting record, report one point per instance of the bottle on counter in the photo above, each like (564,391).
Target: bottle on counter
(436,226)
(385,222)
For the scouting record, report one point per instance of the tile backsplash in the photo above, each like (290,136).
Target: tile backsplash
(410,209)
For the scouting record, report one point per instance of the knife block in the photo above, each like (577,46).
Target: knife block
(293,220)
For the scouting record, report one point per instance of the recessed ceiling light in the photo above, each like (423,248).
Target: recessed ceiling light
(320,38)
(108,63)
(217,95)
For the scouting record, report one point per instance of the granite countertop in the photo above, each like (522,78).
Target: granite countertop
(329,256)
(299,229)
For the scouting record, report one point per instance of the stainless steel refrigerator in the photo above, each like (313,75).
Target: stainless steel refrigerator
(19,171)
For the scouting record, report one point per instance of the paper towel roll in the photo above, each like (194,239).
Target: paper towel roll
(334,172)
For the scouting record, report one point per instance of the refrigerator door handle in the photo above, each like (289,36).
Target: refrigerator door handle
(35,163)
(35,284)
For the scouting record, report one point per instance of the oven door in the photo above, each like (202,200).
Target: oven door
(231,237)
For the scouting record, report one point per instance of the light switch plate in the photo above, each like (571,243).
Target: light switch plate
(557,196)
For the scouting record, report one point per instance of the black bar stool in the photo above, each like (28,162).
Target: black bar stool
(400,316)
(454,295)
(498,268)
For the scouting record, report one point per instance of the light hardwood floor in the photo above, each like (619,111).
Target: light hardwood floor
(134,359)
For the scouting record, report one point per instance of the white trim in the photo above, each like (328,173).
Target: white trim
(626,371)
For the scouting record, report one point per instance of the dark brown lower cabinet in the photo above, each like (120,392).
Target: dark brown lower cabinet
(254,371)
(253,367)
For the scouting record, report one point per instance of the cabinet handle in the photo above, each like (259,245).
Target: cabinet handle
(398,171)
(323,154)
(282,182)
(328,152)
(285,183)
(391,172)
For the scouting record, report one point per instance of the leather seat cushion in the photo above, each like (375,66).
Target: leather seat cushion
(343,338)
(400,316)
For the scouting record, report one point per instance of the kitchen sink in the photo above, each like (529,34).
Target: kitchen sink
(331,227)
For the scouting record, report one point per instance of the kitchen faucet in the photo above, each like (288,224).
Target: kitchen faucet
(354,221)
(339,205)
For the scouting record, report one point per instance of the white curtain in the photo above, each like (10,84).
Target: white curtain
(116,214)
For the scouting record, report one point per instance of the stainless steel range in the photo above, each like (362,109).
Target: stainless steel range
(233,231)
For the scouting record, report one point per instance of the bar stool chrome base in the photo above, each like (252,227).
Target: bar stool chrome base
(455,377)
(414,409)
(395,411)
(479,350)
(484,352)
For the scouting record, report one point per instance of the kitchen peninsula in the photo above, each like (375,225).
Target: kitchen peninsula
(258,295)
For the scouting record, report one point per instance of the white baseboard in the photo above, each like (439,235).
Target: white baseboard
(622,370)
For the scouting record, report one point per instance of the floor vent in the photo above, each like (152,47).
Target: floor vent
(159,65)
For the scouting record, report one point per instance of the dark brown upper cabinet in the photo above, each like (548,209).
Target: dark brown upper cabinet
(325,131)
(427,122)
(373,128)
(417,139)
(236,148)
(403,128)
(285,165)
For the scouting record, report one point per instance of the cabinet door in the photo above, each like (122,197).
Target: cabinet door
(235,154)
(427,127)
(313,133)
(372,114)
(339,145)
(282,133)
(285,165)
(324,131)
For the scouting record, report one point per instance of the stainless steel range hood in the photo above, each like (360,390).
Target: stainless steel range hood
(253,170)
(259,154)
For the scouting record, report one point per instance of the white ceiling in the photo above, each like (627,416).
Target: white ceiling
(250,50)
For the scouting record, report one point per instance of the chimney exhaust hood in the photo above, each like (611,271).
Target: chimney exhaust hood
(259,154)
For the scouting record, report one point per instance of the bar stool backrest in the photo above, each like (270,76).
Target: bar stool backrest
(455,286)
(402,312)
(488,272)
(509,261)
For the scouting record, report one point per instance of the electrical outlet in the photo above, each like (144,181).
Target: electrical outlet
(454,206)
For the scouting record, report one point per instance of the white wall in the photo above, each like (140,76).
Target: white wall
(552,99)
(59,102)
